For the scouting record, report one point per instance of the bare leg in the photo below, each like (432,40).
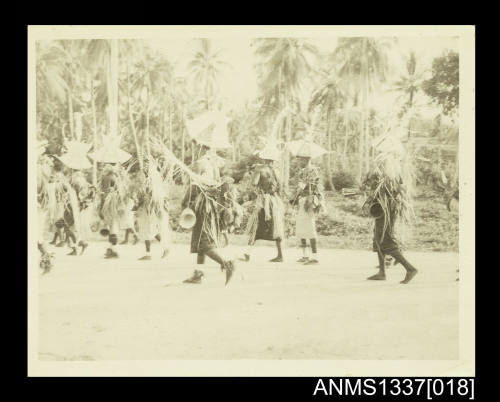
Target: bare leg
(113,240)
(380,276)
(279,258)
(148,251)
(127,232)
(411,271)
(225,265)
(314,250)
(303,246)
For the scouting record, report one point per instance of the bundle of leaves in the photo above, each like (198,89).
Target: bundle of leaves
(390,181)
(114,182)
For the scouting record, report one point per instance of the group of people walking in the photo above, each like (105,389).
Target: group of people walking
(124,197)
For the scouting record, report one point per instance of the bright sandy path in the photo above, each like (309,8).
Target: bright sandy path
(92,308)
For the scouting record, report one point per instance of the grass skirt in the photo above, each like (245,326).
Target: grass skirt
(112,210)
(206,231)
(385,240)
(266,222)
(128,217)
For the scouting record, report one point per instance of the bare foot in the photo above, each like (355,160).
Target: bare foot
(377,277)
(230,268)
(409,276)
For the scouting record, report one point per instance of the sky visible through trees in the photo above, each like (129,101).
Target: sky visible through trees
(240,80)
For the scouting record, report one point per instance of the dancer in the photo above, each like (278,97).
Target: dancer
(266,221)
(128,222)
(86,194)
(77,216)
(389,199)
(310,201)
(208,200)
(152,212)
(66,211)
(44,170)
(56,215)
(114,199)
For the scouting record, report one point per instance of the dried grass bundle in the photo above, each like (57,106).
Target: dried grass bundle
(390,182)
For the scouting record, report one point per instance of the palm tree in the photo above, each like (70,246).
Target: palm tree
(409,84)
(102,59)
(284,65)
(154,80)
(205,69)
(363,64)
(330,98)
(59,69)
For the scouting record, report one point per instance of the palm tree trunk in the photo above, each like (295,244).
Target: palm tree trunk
(286,179)
(170,140)
(113,88)
(132,124)
(148,101)
(183,140)
(410,106)
(364,149)
(70,116)
(344,152)
(94,131)
(329,148)
(361,145)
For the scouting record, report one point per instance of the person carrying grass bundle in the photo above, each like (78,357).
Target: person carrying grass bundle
(388,186)
(310,202)
(81,196)
(64,210)
(114,199)
(209,200)
(128,222)
(85,194)
(266,221)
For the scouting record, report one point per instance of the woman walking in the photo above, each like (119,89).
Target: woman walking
(310,202)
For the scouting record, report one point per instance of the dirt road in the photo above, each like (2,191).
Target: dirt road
(92,308)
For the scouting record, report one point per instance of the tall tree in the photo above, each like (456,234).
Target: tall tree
(443,86)
(284,64)
(408,85)
(330,98)
(363,64)
(206,69)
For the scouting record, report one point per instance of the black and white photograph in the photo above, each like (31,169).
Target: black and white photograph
(251,200)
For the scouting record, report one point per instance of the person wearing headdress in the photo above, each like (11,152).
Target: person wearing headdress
(44,171)
(310,201)
(114,199)
(266,221)
(56,212)
(86,194)
(152,209)
(210,199)
(389,199)
(81,196)
(114,189)
(128,220)
(64,207)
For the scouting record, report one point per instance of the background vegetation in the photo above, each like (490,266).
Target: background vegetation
(90,89)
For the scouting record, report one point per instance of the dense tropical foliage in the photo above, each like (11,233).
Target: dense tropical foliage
(89,89)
